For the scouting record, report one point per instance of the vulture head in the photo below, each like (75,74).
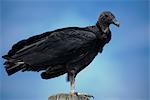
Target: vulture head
(105,19)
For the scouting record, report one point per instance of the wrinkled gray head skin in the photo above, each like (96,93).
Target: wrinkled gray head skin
(107,18)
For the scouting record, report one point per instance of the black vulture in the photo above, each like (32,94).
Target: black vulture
(67,50)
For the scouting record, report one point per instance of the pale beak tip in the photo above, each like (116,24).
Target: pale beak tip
(115,22)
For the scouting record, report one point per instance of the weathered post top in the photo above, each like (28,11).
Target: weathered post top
(65,96)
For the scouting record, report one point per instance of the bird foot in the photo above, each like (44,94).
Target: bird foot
(84,94)
(72,94)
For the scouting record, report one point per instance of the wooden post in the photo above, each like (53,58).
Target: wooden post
(65,96)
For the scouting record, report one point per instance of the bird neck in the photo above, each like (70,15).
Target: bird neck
(95,30)
(103,26)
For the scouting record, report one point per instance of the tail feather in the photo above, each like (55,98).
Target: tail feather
(52,73)
(12,68)
(6,57)
(45,75)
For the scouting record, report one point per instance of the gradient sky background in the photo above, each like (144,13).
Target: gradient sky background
(119,73)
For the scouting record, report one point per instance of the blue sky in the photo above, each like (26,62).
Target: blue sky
(119,73)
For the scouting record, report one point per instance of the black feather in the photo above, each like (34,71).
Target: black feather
(12,68)
(60,51)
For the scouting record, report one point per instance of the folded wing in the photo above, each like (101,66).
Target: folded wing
(55,48)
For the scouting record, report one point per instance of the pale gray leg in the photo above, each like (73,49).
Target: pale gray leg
(72,83)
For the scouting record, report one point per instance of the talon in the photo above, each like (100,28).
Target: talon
(72,94)
(84,94)
(90,96)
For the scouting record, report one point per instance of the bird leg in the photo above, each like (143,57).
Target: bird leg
(72,82)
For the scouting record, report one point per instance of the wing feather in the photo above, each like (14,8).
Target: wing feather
(58,48)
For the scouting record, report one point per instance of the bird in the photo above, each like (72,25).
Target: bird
(62,51)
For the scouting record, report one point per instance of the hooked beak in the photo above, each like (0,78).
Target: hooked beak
(115,22)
